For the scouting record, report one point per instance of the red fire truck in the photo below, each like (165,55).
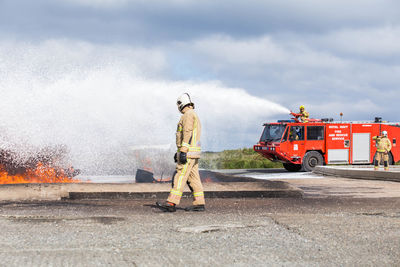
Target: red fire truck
(302,146)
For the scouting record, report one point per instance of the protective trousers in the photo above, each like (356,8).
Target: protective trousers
(382,156)
(187,173)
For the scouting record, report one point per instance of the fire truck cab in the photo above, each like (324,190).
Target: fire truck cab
(302,146)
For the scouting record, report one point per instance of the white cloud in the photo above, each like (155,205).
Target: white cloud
(346,66)
(375,42)
(253,51)
(261,51)
(106,4)
(99,3)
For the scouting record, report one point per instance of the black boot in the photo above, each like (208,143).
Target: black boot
(196,208)
(166,207)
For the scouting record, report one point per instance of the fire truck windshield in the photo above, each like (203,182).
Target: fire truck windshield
(273,132)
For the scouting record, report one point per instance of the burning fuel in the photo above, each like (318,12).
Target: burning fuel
(40,174)
(45,166)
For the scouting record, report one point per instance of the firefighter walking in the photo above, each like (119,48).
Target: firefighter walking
(383,147)
(188,135)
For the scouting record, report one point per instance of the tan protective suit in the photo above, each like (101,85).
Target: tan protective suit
(188,140)
(383,147)
(304,116)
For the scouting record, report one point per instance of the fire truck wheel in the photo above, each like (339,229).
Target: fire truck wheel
(292,167)
(390,159)
(311,160)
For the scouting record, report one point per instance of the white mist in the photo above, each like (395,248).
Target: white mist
(100,101)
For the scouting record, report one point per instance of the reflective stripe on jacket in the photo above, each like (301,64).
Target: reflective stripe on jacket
(188,134)
(383,144)
(304,116)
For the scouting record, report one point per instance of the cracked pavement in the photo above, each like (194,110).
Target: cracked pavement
(327,231)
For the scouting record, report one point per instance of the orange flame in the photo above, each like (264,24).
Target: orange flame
(41,174)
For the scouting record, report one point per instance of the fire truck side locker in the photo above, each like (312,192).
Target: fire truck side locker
(394,135)
(363,149)
(338,143)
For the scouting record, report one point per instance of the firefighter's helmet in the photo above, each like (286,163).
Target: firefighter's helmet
(302,107)
(384,133)
(183,101)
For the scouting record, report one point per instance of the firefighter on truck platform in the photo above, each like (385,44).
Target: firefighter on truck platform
(303,114)
(383,147)
(187,159)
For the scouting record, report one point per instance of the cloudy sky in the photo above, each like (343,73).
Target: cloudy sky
(331,56)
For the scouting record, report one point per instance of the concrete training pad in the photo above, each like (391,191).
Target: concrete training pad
(250,188)
(360,172)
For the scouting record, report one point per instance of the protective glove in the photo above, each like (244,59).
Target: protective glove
(176,157)
(182,158)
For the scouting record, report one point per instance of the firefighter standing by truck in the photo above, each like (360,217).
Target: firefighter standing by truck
(187,159)
(383,147)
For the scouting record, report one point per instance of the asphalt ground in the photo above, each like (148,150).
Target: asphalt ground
(338,222)
(313,231)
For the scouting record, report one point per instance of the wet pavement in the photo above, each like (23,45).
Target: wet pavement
(263,174)
(268,174)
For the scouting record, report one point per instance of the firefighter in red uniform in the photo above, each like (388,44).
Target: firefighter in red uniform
(187,158)
(383,147)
